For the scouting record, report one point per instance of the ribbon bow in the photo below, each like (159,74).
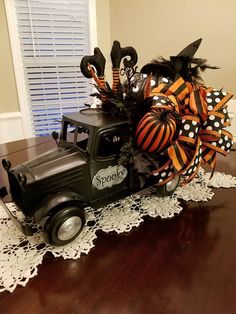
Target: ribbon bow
(201,130)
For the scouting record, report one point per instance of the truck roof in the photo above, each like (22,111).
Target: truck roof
(94,117)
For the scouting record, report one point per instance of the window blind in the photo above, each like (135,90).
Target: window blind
(54,36)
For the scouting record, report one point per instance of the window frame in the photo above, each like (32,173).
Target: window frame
(64,135)
(120,127)
(24,103)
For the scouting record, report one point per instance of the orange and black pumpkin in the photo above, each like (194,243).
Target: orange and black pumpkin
(156,129)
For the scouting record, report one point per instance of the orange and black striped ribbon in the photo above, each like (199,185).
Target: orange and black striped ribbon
(178,156)
(209,156)
(197,104)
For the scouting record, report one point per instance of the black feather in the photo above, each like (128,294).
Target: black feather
(188,68)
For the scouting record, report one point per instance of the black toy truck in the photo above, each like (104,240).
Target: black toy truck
(82,170)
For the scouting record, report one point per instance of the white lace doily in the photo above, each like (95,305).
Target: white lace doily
(20,255)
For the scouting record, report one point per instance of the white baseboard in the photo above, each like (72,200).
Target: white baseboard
(11,127)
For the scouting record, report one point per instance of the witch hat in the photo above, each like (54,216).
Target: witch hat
(179,64)
(190,50)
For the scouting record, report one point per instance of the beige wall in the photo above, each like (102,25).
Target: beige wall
(103,26)
(153,27)
(157,27)
(104,33)
(8,92)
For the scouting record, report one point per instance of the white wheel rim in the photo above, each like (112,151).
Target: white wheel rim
(69,228)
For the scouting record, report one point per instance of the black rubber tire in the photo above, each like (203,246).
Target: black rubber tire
(56,220)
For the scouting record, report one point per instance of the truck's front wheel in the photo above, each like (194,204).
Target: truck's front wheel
(64,226)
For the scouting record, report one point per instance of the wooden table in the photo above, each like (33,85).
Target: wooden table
(184,265)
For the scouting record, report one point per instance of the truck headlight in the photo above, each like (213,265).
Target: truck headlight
(22,179)
(172,185)
(6,164)
(169,188)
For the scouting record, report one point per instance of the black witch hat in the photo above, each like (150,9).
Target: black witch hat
(183,64)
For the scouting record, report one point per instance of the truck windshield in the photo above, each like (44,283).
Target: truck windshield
(76,134)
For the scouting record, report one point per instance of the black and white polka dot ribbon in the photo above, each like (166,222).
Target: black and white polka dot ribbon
(204,116)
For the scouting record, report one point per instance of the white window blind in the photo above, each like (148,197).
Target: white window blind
(53,36)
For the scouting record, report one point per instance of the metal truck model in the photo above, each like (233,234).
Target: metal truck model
(82,170)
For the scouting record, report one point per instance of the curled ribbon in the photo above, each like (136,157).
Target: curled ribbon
(200,132)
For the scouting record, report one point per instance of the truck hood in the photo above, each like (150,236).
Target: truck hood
(53,162)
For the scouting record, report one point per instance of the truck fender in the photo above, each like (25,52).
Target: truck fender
(56,200)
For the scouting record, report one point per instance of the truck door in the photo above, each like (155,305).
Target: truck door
(107,175)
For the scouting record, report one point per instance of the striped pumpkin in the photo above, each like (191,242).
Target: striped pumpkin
(156,130)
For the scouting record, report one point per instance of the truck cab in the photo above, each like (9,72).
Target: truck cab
(98,137)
